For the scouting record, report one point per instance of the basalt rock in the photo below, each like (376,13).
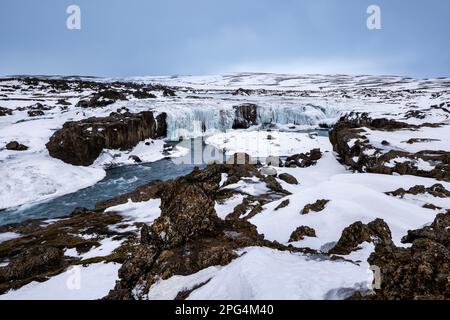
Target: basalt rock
(421,272)
(436,190)
(304,160)
(246,115)
(5,112)
(377,232)
(318,206)
(286,177)
(16,146)
(242,92)
(354,149)
(101,99)
(81,142)
(301,232)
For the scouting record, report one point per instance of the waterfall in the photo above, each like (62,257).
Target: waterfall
(191,122)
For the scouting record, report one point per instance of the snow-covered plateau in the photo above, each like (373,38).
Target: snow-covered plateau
(337,171)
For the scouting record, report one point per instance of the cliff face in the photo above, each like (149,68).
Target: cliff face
(81,142)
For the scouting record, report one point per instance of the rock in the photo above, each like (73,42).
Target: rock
(303,160)
(15,146)
(246,115)
(268,171)
(437,190)
(376,232)
(101,99)
(5,112)
(63,102)
(169,93)
(81,142)
(318,206)
(313,135)
(142,94)
(361,156)
(301,232)
(35,113)
(135,159)
(187,208)
(421,272)
(286,177)
(242,92)
(32,262)
(282,205)
(274,185)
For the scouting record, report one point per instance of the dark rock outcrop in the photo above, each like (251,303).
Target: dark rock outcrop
(318,206)
(286,177)
(5,112)
(16,146)
(355,150)
(304,160)
(301,232)
(101,99)
(377,232)
(81,142)
(421,272)
(242,92)
(246,115)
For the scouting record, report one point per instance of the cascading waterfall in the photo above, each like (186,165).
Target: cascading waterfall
(192,122)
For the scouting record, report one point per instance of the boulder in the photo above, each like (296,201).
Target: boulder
(5,112)
(15,146)
(301,232)
(318,206)
(286,177)
(102,99)
(81,142)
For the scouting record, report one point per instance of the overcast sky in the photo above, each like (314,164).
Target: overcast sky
(167,37)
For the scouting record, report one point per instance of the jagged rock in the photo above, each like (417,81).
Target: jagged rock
(361,156)
(187,208)
(421,272)
(101,99)
(318,206)
(169,93)
(303,160)
(282,205)
(35,113)
(142,94)
(377,232)
(15,146)
(32,262)
(301,232)
(274,185)
(288,178)
(437,190)
(5,112)
(81,142)
(246,115)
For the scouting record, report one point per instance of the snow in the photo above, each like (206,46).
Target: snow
(37,178)
(251,186)
(353,197)
(106,248)
(144,212)
(6,236)
(148,151)
(267,274)
(258,144)
(77,283)
(227,207)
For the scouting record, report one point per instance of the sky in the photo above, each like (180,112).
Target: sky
(181,37)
